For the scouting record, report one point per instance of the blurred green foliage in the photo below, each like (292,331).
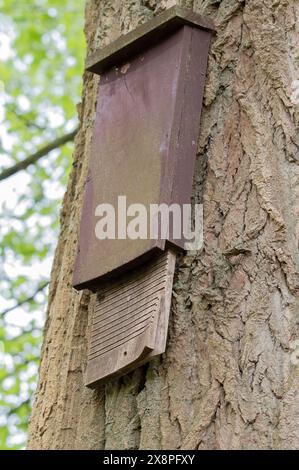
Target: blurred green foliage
(42,50)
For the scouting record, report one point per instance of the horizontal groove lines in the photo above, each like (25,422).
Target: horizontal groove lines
(126,308)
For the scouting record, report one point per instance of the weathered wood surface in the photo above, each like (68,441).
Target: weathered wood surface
(151,32)
(130,319)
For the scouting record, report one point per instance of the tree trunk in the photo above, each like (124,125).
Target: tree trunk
(229,378)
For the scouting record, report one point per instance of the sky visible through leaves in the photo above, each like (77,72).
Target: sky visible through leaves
(42,52)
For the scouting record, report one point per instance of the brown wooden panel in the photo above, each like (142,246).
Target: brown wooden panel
(144,145)
(178,167)
(130,319)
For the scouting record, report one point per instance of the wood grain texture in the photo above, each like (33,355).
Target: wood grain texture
(130,319)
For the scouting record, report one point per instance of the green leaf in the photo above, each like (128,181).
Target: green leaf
(41,75)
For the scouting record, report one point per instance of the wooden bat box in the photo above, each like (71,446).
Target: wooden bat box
(144,148)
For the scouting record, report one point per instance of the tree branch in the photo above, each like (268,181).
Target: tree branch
(15,409)
(22,165)
(28,299)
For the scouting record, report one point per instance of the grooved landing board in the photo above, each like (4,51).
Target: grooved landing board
(130,319)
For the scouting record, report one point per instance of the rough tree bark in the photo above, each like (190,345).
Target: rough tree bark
(227,380)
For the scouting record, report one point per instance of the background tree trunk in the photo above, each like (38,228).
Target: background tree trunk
(227,380)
